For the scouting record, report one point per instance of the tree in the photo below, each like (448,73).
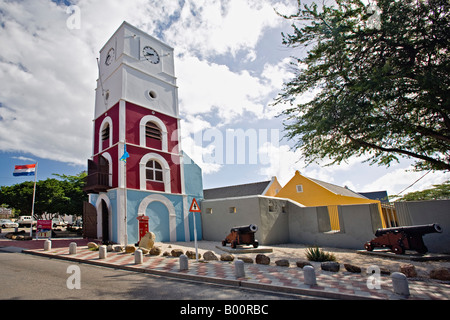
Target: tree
(74,194)
(438,192)
(50,197)
(18,196)
(383,88)
(64,196)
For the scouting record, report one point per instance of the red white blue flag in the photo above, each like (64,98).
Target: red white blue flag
(24,170)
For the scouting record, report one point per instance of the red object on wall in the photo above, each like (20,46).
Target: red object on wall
(143,226)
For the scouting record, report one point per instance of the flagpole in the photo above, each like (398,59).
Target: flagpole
(124,159)
(125,201)
(34,196)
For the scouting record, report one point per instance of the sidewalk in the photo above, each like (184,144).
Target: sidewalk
(340,285)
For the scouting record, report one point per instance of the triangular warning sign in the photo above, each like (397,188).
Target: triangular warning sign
(194,206)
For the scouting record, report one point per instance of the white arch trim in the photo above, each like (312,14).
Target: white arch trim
(108,157)
(162,127)
(98,206)
(165,167)
(172,216)
(100,144)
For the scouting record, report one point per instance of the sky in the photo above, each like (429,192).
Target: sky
(230,65)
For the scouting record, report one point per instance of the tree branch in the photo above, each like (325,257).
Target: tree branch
(437,163)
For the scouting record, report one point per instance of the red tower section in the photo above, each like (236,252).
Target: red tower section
(152,141)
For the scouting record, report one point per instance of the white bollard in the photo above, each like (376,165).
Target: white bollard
(102,252)
(72,248)
(400,284)
(47,245)
(310,275)
(184,264)
(239,269)
(138,257)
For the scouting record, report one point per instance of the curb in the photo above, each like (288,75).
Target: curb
(214,280)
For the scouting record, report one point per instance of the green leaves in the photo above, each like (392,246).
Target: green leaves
(438,192)
(317,254)
(382,91)
(52,195)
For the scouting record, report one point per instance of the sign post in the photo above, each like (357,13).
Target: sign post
(194,209)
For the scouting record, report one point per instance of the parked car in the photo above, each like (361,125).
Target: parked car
(6,223)
(26,221)
(77,224)
(58,223)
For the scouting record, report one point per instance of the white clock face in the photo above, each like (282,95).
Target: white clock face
(150,54)
(109,57)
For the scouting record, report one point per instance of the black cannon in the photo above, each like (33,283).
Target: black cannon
(242,235)
(402,238)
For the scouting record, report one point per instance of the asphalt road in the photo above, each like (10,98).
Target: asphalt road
(24,276)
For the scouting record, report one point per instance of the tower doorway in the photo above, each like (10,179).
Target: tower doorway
(105,221)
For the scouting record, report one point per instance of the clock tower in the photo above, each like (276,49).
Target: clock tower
(138,167)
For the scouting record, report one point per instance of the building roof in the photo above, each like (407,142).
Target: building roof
(382,196)
(249,189)
(343,191)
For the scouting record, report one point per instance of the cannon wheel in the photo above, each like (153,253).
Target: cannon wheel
(368,246)
(224,243)
(397,249)
(234,244)
(255,244)
(422,250)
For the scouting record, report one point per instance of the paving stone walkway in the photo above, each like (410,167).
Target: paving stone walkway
(340,285)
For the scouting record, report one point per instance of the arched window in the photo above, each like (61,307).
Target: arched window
(153,133)
(154,171)
(105,134)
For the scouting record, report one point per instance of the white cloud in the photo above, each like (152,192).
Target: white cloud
(283,162)
(214,27)
(209,87)
(192,124)
(402,178)
(48,72)
(193,146)
(277,74)
(24,159)
(192,128)
(45,99)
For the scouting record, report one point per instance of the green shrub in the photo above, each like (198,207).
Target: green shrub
(317,254)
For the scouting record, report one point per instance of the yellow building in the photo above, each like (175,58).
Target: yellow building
(312,193)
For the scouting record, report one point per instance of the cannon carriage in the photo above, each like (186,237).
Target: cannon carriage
(402,238)
(242,235)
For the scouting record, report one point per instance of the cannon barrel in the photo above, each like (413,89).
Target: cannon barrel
(251,228)
(421,229)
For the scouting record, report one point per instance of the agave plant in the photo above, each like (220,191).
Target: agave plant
(317,254)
